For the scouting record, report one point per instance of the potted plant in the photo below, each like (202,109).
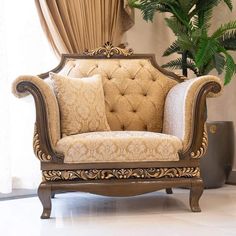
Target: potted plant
(200,52)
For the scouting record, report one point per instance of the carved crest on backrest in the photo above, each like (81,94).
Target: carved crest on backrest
(108,50)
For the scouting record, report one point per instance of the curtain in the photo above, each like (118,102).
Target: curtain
(72,26)
(23,50)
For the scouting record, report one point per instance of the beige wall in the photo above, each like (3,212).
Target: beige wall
(156,37)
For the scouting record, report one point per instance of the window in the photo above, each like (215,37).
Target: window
(23,50)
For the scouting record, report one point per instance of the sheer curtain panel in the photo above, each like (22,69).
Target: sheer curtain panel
(23,50)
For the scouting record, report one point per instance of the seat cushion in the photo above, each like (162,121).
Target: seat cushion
(119,146)
(81,103)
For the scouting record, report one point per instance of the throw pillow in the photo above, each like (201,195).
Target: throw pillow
(81,103)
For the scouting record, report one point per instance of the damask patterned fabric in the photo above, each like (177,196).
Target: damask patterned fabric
(135,91)
(179,107)
(81,104)
(119,146)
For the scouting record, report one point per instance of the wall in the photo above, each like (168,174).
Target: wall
(156,37)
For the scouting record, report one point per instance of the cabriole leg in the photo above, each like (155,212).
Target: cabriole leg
(44,194)
(169,191)
(196,191)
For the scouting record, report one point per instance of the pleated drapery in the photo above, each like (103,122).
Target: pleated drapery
(72,26)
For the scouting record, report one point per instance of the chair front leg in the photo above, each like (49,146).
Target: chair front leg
(44,194)
(196,191)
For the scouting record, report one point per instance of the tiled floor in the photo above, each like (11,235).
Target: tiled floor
(151,214)
(18,193)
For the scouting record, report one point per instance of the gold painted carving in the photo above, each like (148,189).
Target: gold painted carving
(37,149)
(213,129)
(139,173)
(108,50)
(202,150)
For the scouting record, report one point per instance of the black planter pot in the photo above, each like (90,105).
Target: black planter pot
(217,163)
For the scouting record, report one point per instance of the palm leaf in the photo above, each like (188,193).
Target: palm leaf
(186,5)
(178,64)
(174,64)
(207,48)
(207,68)
(148,8)
(229,68)
(224,28)
(192,66)
(175,25)
(171,49)
(228,40)
(202,9)
(185,43)
(219,62)
(202,20)
(229,4)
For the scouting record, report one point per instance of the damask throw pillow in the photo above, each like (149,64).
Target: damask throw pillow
(81,104)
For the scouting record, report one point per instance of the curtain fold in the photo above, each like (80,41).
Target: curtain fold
(72,26)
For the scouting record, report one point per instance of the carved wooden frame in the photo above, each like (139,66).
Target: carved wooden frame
(134,183)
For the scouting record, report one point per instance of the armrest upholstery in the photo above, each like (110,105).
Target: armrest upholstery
(47,110)
(185,110)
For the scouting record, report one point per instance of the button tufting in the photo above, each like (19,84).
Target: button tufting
(112,110)
(133,78)
(134,111)
(122,127)
(109,78)
(145,94)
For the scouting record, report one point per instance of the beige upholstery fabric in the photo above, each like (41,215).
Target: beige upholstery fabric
(81,102)
(52,108)
(134,90)
(119,146)
(179,107)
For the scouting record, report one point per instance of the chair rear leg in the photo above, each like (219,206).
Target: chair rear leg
(44,194)
(196,191)
(169,191)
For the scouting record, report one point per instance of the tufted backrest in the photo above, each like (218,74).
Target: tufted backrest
(134,90)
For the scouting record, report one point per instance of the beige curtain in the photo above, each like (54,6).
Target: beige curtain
(72,26)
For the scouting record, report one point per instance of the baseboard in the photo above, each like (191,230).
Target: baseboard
(18,193)
(232,178)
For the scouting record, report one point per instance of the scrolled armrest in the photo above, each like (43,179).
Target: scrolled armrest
(185,113)
(47,129)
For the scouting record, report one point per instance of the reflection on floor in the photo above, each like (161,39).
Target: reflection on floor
(150,214)
(18,193)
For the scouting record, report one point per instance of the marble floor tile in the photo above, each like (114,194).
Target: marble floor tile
(150,214)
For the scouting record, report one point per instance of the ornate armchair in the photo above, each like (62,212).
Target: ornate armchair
(157,121)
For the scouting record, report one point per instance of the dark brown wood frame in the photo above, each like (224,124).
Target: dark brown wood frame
(119,185)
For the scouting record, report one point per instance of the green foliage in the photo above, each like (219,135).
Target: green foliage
(174,64)
(224,29)
(228,40)
(174,47)
(178,64)
(229,68)
(219,62)
(190,22)
(229,4)
(206,50)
